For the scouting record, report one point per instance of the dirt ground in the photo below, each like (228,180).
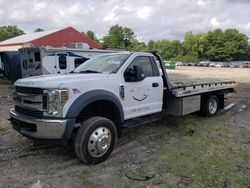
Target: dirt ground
(190,151)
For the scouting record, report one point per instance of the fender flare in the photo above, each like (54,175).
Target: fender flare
(84,100)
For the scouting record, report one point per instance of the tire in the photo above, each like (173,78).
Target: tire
(95,140)
(210,106)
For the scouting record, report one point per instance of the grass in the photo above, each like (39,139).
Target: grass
(85,173)
(90,170)
(203,156)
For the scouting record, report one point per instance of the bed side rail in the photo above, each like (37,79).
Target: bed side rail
(193,89)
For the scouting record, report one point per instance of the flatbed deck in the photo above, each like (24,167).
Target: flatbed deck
(183,90)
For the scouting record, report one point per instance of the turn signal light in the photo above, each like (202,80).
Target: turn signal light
(64,96)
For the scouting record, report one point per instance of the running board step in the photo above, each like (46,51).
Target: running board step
(141,121)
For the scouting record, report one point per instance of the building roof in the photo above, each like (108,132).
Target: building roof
(25,38)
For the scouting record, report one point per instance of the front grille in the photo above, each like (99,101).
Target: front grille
(31,90)
(29,112)
(45,99)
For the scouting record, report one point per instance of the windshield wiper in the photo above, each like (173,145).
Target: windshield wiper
(89,71)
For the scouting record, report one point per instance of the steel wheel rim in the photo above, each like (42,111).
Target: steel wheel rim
(212,106)
(99,142)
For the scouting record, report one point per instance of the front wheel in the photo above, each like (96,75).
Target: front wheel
(95,140)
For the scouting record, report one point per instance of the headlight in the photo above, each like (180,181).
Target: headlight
(56,101)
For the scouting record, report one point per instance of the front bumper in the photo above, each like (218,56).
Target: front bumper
(38,128)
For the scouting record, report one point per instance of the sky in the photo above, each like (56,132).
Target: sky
(149,19)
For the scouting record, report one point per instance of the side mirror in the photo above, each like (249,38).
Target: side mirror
(135,74)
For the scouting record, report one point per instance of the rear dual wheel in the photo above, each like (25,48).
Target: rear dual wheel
(95,140)
(210,105)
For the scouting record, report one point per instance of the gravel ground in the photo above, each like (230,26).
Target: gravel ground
(190,151)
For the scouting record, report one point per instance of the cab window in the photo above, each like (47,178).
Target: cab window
(145,63)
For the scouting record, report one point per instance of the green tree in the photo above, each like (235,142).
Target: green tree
(217,45)
(176,48)
(151,45)
(114,39)
(9,31)
(226,45)
(236,44)
(163,47)
(168,49)
(38,30)
(128,37)
(120,37)
(193,45)
(91,35)
(248,54)
(186,58)
(214,48)
(138,46)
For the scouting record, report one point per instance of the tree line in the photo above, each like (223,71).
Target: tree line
(216,45)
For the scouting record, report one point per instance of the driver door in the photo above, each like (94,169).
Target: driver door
(143,97)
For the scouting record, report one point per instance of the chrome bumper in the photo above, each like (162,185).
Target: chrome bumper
(38,128)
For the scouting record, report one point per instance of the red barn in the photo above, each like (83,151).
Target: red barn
(54,38)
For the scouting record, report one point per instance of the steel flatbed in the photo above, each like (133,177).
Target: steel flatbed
(194,89)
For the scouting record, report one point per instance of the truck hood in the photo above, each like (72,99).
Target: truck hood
(54,81)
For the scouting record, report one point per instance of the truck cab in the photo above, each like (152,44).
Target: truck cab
(99,97)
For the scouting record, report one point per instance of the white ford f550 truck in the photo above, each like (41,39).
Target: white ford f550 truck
(94,102)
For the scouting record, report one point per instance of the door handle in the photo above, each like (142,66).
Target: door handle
(155,84)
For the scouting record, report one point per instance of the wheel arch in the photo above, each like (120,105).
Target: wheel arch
(95,103)
(219,94)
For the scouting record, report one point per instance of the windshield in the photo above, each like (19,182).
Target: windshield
(103,64)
